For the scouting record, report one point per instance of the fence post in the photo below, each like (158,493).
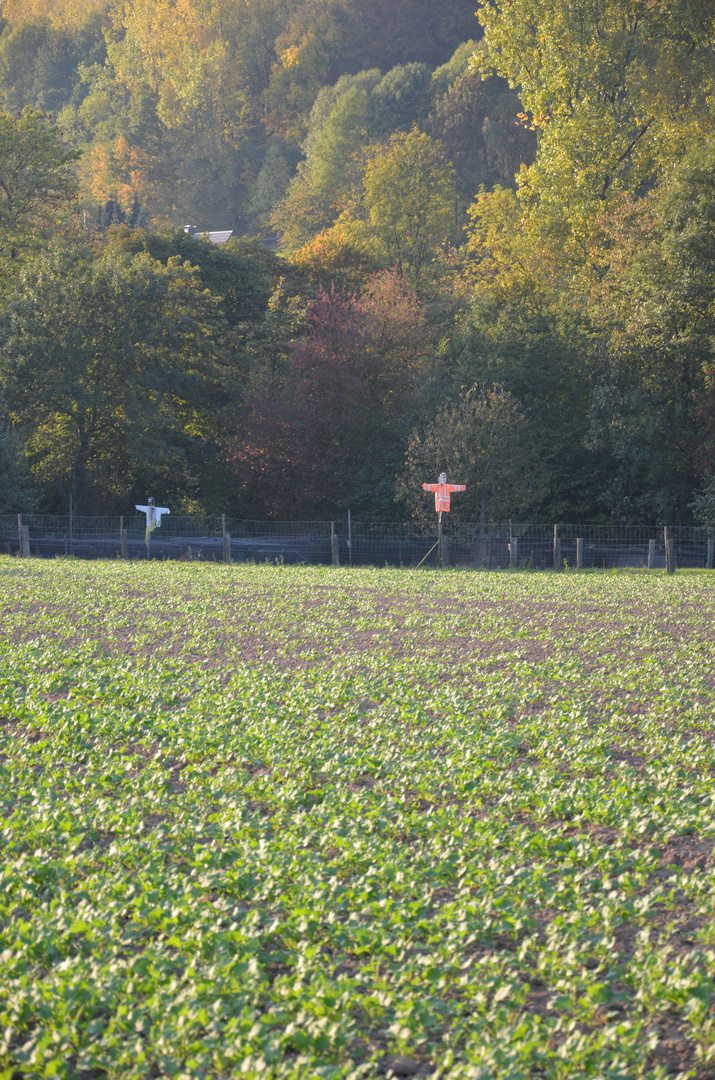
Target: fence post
(334,545)
(579,553)
(709,557)
(557,549)
(513,552)
(226,537)
(23,538)
(651,554)
(123,539)
(669,552)
(350,540)
(71,529)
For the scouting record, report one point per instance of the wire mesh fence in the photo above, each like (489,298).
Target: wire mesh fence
(481,546)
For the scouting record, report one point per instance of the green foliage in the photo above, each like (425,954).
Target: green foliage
(409,200)
(16,495)
(240,273)
(343,36)
(284,822)
(110,367)
(356,111)
(40,64)
(704,506)
(476,123)
(605,84)
(271,184)
(37,179)
(687,250)
(402,98)
(485,442)
(333,143)
(654,408)
(457,66)
(564,69)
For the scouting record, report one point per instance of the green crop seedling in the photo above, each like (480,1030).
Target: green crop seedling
(271,822)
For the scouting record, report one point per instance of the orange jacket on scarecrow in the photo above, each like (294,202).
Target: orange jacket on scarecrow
(442,492)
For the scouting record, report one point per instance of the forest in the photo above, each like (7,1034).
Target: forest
(479,243)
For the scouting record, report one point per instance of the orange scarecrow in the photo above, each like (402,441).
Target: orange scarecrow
(442,491)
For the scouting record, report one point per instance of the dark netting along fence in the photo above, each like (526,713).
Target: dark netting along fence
(480,546)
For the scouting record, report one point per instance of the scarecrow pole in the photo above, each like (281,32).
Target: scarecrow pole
(442,491)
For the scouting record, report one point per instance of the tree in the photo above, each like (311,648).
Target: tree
(617,89)
(39,62)
(704,506)
(409,200)
(333,146)
(61,14)
(271,184)
(401,99)
(484,441)
(330,433)
(309,55)
(110,370)
(322,42)
(476,123)
(338,129)
(239,274)
(16,496)
(37,178)
(345,118)
(175,114)
(654,404)
(344,256)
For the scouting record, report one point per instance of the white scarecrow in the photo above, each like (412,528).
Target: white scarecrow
(153,517)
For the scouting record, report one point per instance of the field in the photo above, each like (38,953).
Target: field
(284,822)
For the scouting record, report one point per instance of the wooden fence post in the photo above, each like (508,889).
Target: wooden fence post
(514,553)
(669,552)
(335,551)
(557,549)
(123,539)
(226,537)
(579,553)
(350,540)
(709,556)
(651,554)
(23,538)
